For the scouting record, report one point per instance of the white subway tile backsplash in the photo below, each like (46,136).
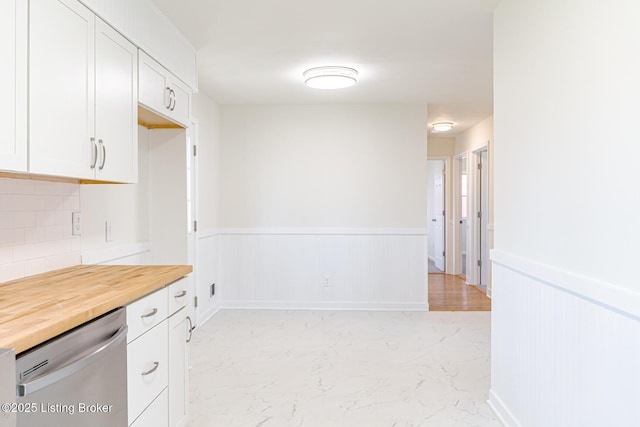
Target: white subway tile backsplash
(6,255)
(63,218)
(35,227)
(72,203)
(12,271)
(46,218)
(62,246)
(34,235)
(6,220)
(54,233)
(24,219)
(35,266)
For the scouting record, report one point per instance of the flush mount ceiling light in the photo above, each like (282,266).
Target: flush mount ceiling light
(330,77)
(442,126)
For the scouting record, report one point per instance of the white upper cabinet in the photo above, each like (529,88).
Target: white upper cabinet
(162,92)
(116,105)
(13,72)
(82,92)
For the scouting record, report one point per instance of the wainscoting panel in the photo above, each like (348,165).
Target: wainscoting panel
(560,357)
(207,270)
(331,269)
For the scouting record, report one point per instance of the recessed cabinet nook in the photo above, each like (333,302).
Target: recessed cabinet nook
(83,78)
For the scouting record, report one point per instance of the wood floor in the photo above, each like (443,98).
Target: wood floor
(450,293)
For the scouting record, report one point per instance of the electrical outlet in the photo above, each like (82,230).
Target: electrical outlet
(326,281)
(76,223)
(108,231)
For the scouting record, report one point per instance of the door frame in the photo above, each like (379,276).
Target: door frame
(457,215)
(448,218)
(192,250)
(473,239)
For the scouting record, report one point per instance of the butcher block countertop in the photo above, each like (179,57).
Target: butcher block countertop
(37,308)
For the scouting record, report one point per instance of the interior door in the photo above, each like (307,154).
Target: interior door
(483,171)
(439,212)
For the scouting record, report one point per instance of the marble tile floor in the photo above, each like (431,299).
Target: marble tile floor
(273,368)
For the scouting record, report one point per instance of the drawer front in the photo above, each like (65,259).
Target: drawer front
(178,295)
(147,368)
(156,414)
(145,313)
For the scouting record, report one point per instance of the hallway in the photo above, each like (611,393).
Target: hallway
(450,293)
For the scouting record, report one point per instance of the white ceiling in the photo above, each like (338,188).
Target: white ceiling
(432,52)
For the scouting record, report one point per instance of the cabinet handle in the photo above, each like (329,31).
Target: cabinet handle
(180,294)
(94,153)
(151,313)
(167,95)
(152,370)
(173,97)
(189,329)
(104,153)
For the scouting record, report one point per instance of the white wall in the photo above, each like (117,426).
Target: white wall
(566,302)
(474,138)
(300,183)
(441,147)
(35,227)
(324,166)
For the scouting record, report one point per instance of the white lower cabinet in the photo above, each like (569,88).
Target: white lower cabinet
(156,414)
(147,369)
(157,358)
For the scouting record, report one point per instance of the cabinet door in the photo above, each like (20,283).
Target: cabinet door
(13,72)
(153,90)
(61,88)
(178,369)
(179,109)
(116,92)
(155,415)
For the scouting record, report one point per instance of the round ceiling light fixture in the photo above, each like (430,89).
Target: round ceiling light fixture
(330,77)
(442,126)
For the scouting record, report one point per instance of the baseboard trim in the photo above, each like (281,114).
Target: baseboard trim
(322,305)
(608,295)
(207,315)
(504,415)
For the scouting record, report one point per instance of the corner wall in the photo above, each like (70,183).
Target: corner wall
(566,297)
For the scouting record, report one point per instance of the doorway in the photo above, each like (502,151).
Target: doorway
(436,190)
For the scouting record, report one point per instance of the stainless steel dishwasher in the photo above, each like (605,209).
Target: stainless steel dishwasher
(76,379)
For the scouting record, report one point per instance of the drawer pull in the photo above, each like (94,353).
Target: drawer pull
(181,294)
(152,370)
(151,313)
(189,329)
